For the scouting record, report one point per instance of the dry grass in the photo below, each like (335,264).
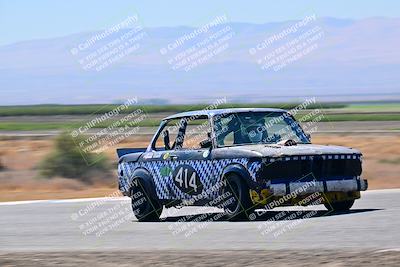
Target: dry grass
(20,180)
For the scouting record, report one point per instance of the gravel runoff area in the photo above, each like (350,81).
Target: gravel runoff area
(363,258)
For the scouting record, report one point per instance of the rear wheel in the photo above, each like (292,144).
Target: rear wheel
(145,208)
(339,205)
(237,204)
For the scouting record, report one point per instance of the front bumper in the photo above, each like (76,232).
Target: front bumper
(304,188)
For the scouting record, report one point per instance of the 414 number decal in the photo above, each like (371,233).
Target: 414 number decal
(187,180)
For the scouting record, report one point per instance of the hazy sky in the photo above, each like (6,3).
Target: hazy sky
(35,19)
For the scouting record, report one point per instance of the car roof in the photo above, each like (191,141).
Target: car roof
(213,112)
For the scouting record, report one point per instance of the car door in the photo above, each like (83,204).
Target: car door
(158,160)
(190,163)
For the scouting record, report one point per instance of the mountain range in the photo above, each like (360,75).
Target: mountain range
(352,60)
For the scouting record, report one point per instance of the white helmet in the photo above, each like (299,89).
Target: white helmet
(256,132)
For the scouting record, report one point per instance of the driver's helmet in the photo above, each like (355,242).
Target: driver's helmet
(255,131)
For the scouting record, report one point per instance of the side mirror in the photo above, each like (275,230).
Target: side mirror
(308,135)
(166,140)
(206,143)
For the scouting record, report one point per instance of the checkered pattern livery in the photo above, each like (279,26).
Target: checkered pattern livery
(208,171)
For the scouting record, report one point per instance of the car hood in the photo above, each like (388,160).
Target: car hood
(280,150)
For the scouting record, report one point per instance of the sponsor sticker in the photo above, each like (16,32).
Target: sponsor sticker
(166,156)
(148,155)
(157,155)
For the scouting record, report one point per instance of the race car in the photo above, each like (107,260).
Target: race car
(238,159)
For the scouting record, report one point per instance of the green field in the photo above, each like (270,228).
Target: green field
(373,107)
(45,110)
(31,126)
(332,112)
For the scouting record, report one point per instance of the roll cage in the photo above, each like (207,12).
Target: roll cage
(210,116)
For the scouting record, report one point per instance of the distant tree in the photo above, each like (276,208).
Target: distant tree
(2,167)
(66,160)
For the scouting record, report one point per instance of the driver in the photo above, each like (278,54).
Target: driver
(255,131)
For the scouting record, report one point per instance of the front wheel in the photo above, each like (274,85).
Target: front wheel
(236,204)
(339,205)
(145,208)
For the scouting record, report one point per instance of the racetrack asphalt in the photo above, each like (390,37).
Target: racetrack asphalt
(107,225)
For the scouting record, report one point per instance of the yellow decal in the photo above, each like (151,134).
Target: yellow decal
(261,198)
(265,193)
(255,197)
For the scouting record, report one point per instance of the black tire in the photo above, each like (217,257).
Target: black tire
(144,207)
(339,206)
(241,205)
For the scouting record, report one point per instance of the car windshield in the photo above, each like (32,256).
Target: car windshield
(244,128)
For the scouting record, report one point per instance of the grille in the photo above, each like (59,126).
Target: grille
(307,168)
